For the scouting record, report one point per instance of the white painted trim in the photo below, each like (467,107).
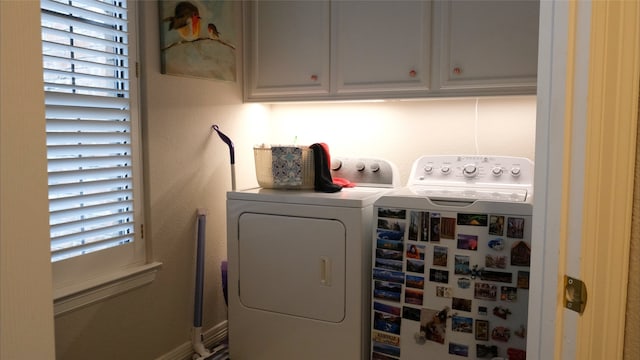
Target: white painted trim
(80,295)
(212,337)
(578,136)
(552,56)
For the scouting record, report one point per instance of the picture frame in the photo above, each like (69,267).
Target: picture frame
(482,330)
(198,38)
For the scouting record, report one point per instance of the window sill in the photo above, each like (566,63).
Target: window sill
(73,297)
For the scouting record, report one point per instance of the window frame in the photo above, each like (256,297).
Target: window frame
(84,279)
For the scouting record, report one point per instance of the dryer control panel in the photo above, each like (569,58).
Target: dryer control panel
(367,172)
(473,177)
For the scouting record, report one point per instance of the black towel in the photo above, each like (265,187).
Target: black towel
(323,181)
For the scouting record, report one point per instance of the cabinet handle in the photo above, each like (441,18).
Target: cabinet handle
(412,73)
(457,70)
(314,77)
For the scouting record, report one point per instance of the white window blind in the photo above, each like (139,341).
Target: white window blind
(89,126)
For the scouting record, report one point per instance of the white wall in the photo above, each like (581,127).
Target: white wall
(187,167)
(26,309)
(402,131)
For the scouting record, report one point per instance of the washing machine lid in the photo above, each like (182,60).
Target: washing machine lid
(407,198)
(471,193)
(357,197)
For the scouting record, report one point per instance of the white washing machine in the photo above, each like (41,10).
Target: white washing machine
(451,260)
(299,267)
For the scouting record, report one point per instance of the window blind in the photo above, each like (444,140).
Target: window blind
(88,122)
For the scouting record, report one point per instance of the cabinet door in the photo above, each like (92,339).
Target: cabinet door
(381,46)
(288,48)
(488,45)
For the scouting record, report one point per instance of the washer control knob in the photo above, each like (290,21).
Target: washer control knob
(360,166)
(336,164)
(428,169)
(515,171)
(496,171)
(470,170)
(375,167)
(445,169)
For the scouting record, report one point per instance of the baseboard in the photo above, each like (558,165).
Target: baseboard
(212,337)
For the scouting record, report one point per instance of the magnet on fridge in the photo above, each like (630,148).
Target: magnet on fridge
(473,219)
(440,255)
(482,330)
(458,349)
(443,291)
(433,323)
(410,313)
(483,351)
(434,232)
(515,227)
(501,333)
(464,283)
(516,354)
(508,293)
(523,280)
(420,337)
(496,225)
(461,266)
(424,226)
(414,225)
(496,244)
(501,312)
(520,254)
(447,228)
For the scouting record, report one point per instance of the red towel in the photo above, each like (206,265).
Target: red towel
(343,182)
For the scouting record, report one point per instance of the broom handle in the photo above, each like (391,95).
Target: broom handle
(197,311)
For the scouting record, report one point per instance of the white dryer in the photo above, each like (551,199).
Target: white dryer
(300,267)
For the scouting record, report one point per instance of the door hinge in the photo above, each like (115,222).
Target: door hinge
(142,231)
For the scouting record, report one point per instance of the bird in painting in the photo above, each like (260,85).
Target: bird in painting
(213,32)
(186,21)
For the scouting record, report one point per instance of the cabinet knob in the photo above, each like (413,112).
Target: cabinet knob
(457,70)
(412,73)
(314,77)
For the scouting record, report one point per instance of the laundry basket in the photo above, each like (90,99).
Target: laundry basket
(284,167)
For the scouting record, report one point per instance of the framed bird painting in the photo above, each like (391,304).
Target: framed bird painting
(198,38)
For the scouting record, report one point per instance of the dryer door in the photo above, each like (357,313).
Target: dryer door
(292,265)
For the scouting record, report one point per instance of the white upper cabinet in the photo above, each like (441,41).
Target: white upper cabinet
(365,49)
(287,49)
(487,46)
(381,47)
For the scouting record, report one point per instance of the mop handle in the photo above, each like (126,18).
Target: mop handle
(232,154)
(228,141)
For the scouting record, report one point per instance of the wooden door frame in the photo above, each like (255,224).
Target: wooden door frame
(585,154)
